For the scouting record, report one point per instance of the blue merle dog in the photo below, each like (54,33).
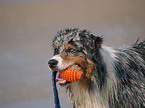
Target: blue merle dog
(112,78)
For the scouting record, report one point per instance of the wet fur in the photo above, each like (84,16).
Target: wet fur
(113,78)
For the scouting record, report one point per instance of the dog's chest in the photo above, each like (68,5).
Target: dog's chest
(81,98)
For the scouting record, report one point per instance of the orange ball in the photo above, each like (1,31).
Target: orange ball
(71,74)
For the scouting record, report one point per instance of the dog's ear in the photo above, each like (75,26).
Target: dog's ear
(90,42)
(98,42)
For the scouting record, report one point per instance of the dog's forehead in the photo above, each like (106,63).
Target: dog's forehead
(63,39)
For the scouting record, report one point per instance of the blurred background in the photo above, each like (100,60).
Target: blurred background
(27,28)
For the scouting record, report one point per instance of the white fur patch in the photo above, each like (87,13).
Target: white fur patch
(59,59)
(108,58)
(84,99)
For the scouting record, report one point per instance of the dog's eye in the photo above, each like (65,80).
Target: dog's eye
(71,50)
(56,51)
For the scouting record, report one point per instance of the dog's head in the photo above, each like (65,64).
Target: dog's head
(74,46)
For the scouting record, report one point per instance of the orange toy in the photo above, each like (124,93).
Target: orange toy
(71,74)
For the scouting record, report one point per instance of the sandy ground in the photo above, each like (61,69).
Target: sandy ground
(26,32)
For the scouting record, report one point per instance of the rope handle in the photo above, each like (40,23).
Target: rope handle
(56,98)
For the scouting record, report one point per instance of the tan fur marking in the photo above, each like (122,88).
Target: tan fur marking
(57,46)
(67,46)
(90,68)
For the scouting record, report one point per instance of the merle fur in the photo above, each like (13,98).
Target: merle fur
(130,70)
(129,67)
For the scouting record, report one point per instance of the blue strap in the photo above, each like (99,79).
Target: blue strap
(56,98)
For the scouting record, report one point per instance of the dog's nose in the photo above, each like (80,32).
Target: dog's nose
(52,63)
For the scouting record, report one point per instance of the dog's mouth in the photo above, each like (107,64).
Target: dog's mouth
(61,81)
(71,74)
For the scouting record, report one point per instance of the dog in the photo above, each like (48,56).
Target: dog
(112,78)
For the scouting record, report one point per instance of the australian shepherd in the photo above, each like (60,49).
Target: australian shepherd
(112,78)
